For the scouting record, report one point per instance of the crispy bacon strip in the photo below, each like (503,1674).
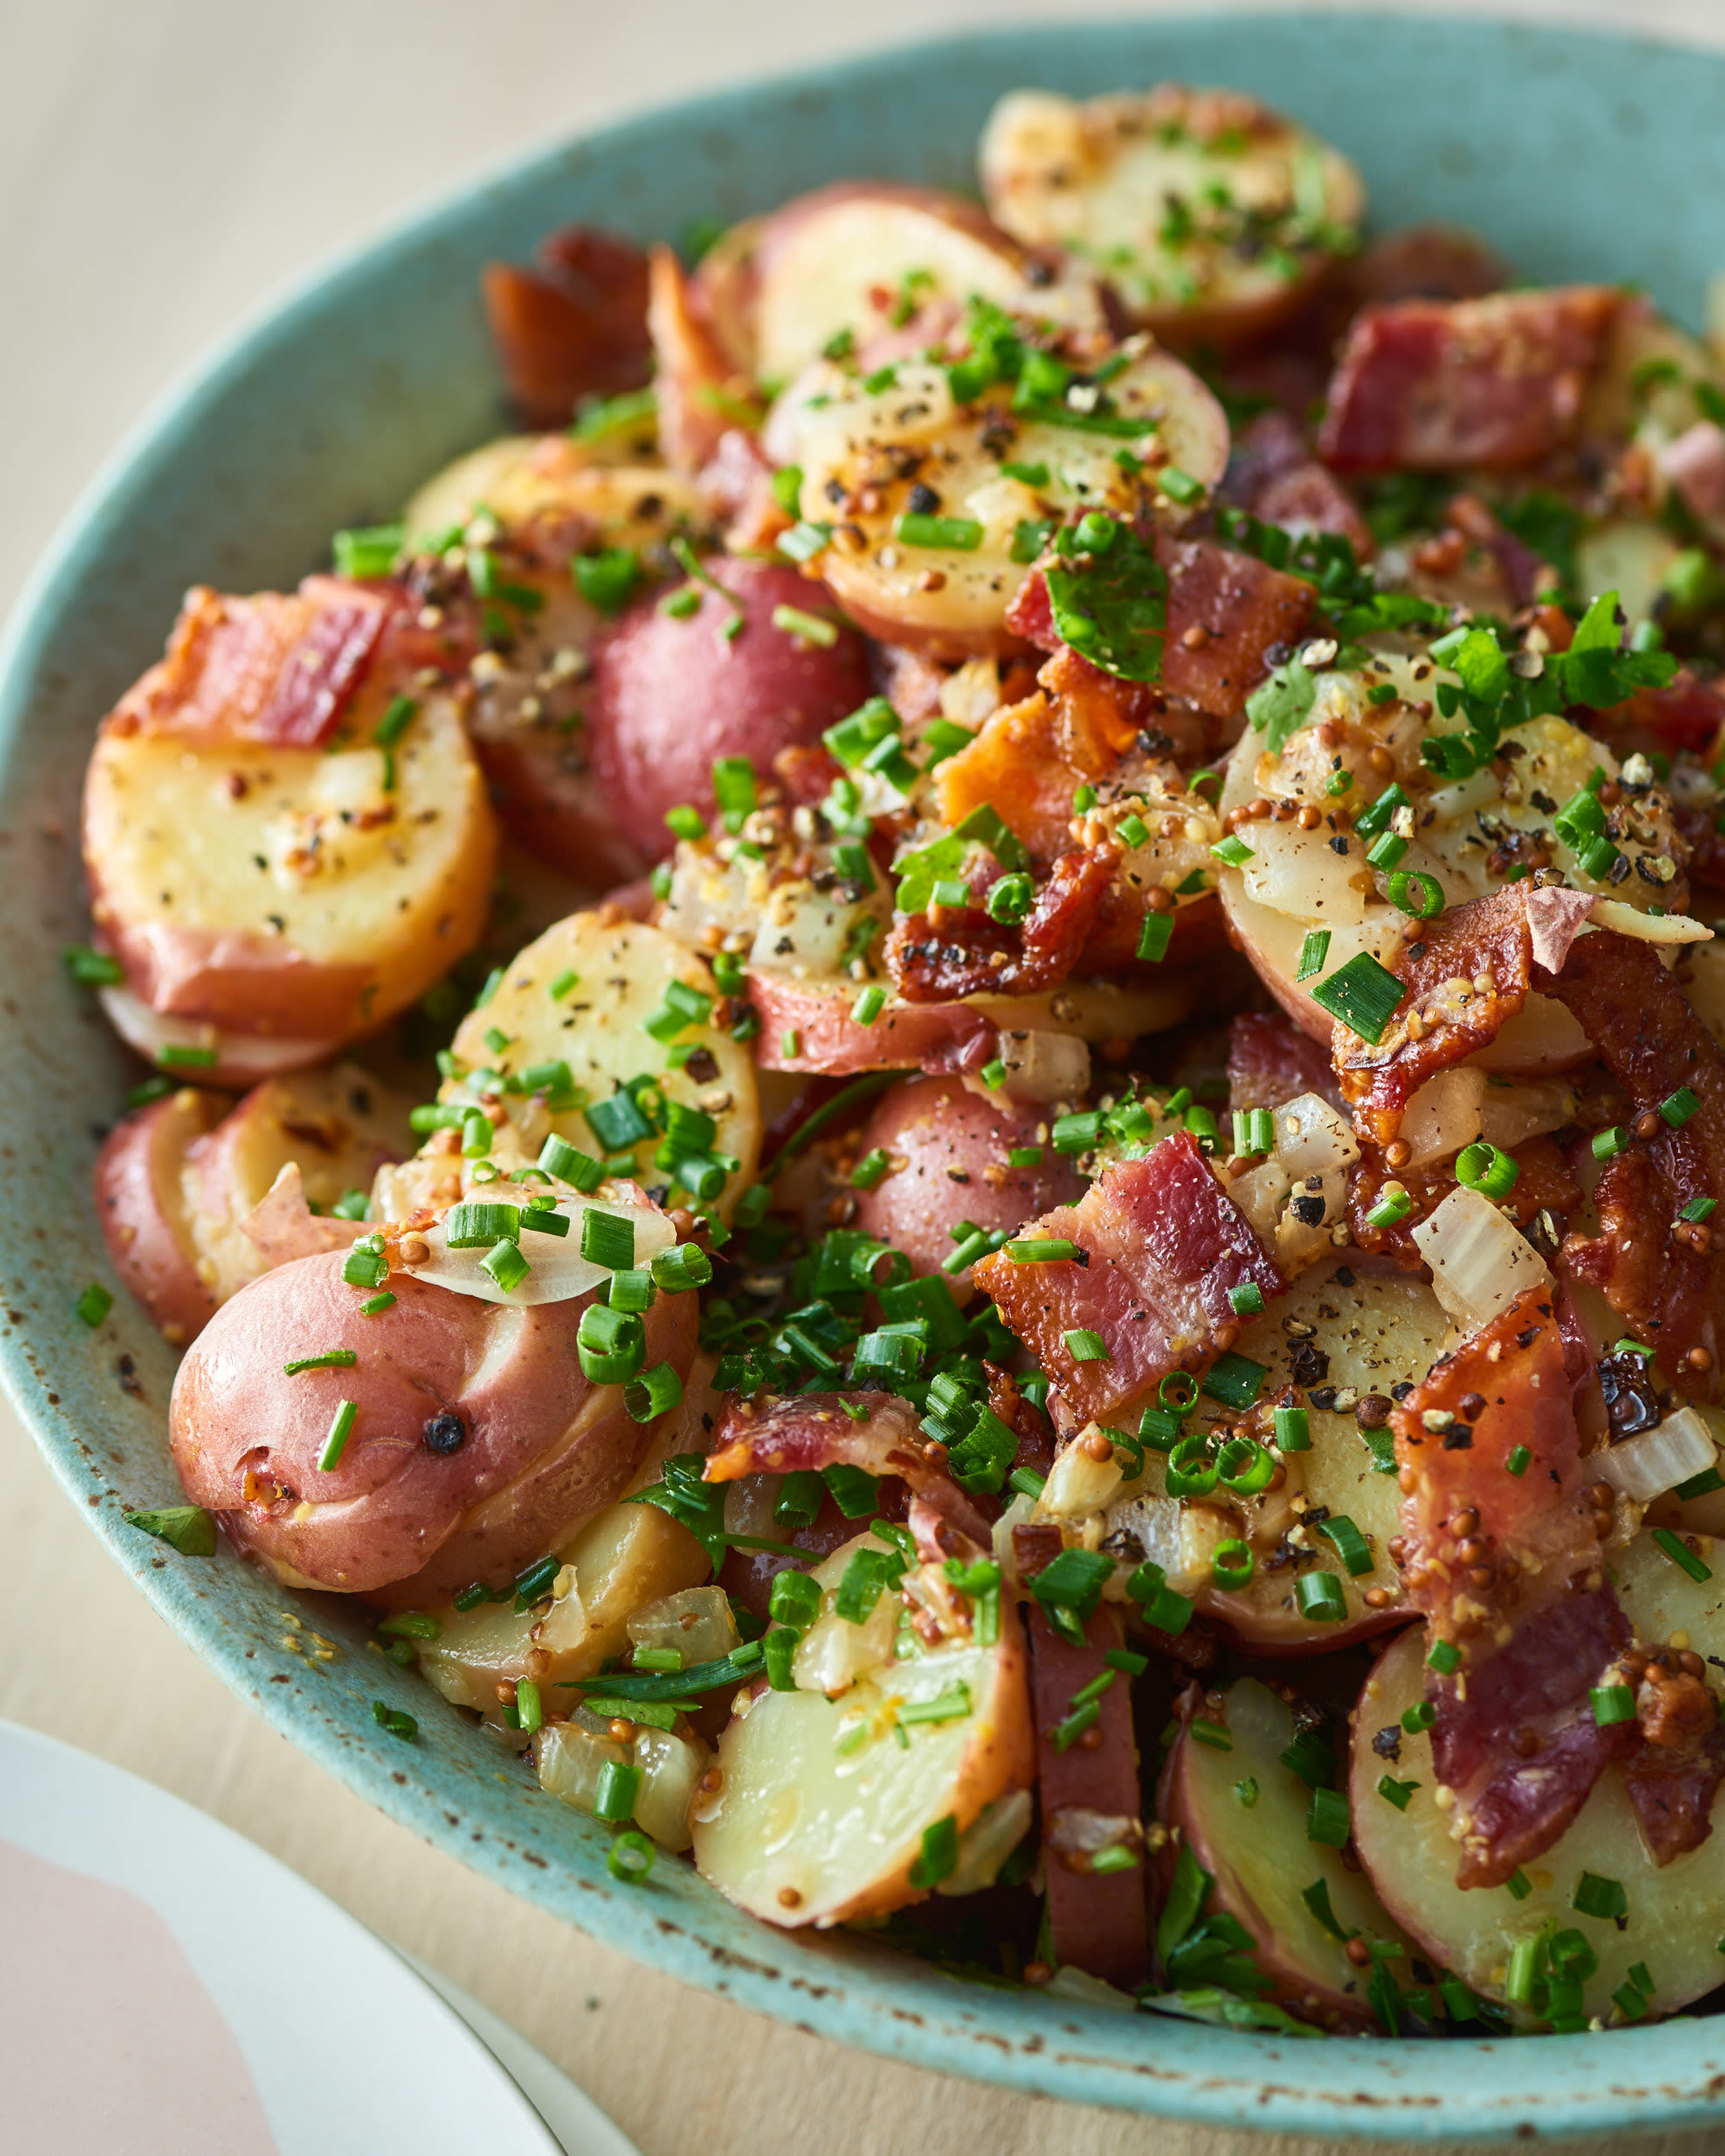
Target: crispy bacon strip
(1162,1246)
(1484,1551)
(1225,612)
(279,667)
(1433,386)
(1673,1774)
(1648,1038)
(695,385)
(812,1430)
(576,327)
(1544,1182)
(1091,1799)
(1270,1061)
(1466,973)
(970,955)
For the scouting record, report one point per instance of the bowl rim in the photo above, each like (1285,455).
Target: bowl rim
(1253,2079)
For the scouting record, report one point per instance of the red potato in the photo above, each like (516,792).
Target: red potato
(539,1450)
(141,1203)
(175,1186)
(1216,219)
(670,696)
(332,882)
(1092,1799)
(855,256)
(1262,1861)
(948,1155)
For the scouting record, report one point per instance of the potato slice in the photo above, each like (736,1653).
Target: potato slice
(1353,1329)
(611,980)
(1212,216)
(1243,1815)
(820,1813)
(1295,881)
(1676,1913)
(316,902)
(146,1216)
(861,258)
(907,447)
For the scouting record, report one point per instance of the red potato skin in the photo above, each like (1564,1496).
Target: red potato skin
(931,1036)
(138,1203)
(943,1133)
(391,1508)
(1100,1921)
(543,786)
(669,697)
(1189,1820)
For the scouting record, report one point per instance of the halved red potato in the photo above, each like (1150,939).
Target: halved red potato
(477,1443)
(1243,1813)
(823,1803)
(1676,1912)
(808,1024)
(946,1153)
(871,457)
(146,1216)
(328,888)
(671,694)
(1298,879)
(1212,216)
(1344,1334)
(863,256)
(625,1560)
(583,994)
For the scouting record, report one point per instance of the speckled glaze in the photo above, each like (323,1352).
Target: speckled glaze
(1578,156)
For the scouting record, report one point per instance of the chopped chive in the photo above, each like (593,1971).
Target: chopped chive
(1312,953)
(806,628)
(607,1239)
(1601,1897)
(1363,994)
(1041,1251)
(1246,1300)
(1211,1734)
(93,1305)
(1180,486)
(1519,1460)
(394,1722)
(948,1706)
(375,1305)
(1680,1555)
(1086,1346)
(630,1857)
(1419,1716)
(1326,1819)
(1245,1792)
(1293,1430)
(1613,1703)
(1349,1544)
(187,1528)
(331,1359)
(367,553)
(181,1058)
(1234,850)
(1678,1107)
(869,1005)
(653,1393)
(341,1429)
(1487,1169)
(1234,1379)
(91,968)
(939,1857)
(1444,1658)
(619,1784)
(1321,1597)
(1399,1794)
(962,534)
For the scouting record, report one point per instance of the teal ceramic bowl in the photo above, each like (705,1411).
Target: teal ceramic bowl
(1578,156)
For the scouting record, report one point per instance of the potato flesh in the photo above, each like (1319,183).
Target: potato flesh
(1263,1862)
(1383,1329)
(861,444)
(799,1832)
(627,1558)
(598,1027)
(1676,1913)
(311,851)
(1295,882)
(1103,180)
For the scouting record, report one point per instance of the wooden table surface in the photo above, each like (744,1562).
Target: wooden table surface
(165,169)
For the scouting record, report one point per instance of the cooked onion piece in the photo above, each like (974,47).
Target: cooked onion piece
(1211,216)
(1480,1261)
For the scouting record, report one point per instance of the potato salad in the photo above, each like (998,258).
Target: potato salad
(942,1084)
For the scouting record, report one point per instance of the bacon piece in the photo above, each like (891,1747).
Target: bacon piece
(279,667)
(971,954)
(1225,611)
(1442,962)
(1648,1038)
(1091,1799)
(694,384)
(1544,1182)
(1433,386)
(812,1430)
(576,327)
(1270,1061)
(1477,523)
(1514,1807)
(1674,1772)
(1162,1247)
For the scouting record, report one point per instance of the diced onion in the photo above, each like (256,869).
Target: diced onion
(1311,1138)
(1077,1485)
(1480,1261)
(1645,1467)
(1443,1116)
